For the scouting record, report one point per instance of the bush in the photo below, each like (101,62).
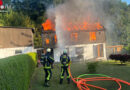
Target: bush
(92,67)
(16,72)
(123,58)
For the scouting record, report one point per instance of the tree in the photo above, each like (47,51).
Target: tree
(1,19)
(33,8)
(17,19)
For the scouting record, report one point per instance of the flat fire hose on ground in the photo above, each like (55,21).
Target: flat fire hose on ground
(82,82)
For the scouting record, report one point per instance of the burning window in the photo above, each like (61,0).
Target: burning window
(47,41)
(74,36)
(55,37)
(92,36)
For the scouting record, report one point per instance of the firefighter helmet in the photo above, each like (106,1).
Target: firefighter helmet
(48,50)
(65,51)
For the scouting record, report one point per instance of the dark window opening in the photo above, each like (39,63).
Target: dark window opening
(18,51)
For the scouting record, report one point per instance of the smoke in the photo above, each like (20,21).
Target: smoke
(78,11)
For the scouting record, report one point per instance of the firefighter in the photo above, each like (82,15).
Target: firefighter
(43,52)
(65,62)
(47,62)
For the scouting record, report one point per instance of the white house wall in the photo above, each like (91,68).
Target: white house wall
(89,52)
(105,56)
(6,52)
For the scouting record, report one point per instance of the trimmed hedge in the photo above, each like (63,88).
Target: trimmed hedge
(16,71)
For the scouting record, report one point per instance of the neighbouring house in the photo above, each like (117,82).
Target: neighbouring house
(86,44)
(115,49)
(15,40)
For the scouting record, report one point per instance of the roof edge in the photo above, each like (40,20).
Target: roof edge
(16,27)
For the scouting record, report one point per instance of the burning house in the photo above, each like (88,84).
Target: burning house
(79,26)
(83,42)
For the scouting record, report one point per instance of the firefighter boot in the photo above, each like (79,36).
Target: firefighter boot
(68,79)
(61,81)
(46,84)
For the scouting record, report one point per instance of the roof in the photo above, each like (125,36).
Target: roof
(17,27)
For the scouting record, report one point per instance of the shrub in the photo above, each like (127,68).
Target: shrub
(123,58)
(34,57)
(92,67)
(16,72)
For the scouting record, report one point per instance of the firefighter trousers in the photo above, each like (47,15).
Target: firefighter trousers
(63,71)
(48,75)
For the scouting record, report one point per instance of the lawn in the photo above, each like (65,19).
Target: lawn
(110,68)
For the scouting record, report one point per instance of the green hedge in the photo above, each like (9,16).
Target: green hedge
(16,71)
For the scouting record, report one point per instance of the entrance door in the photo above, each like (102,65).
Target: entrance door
(98,50)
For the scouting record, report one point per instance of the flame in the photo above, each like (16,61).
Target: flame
(83,26)
(47,41)
(69,26)
(48,25)
(92,36)
(99,26)
(55,37)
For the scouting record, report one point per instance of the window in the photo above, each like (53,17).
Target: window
(47,41)
(79,50)
(74,36)
(18,51)
(55,38)
(98,51)
(92,36)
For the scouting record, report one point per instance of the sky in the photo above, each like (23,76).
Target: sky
(128,1)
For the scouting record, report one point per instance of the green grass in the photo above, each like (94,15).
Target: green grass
(108,68)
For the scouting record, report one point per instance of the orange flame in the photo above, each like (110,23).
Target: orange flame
(84,26)
(48,25)
(92,36)
(47,41)
(99,26)
(55,37)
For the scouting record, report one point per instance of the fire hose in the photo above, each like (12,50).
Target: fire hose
(82,82)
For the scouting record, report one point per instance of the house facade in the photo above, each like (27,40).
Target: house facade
(81,45)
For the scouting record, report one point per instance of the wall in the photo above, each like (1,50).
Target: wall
(83,37)
(82,52)
(6,52)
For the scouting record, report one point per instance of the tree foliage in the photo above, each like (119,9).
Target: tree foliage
(16,19)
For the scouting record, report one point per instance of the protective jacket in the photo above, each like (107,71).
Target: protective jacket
(65,60)
(47,61)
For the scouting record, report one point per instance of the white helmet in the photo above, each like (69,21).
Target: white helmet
(48,50)
(65,51)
